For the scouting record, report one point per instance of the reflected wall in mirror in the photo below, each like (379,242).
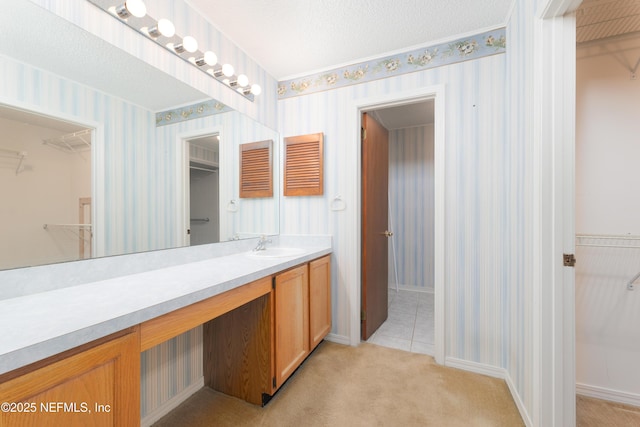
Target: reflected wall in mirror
(238,218)
(137,170)
(45,183)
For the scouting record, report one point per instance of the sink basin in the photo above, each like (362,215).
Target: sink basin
(276,252)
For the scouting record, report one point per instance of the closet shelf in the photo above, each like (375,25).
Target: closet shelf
(14,154)
(70,226)
(71,142)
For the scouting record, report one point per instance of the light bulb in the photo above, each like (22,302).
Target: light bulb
(136,8)
(227,70)
(243,80)
(190,44)
(210,58)
(256,89)
(166,27)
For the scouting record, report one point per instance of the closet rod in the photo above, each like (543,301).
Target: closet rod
(199,219)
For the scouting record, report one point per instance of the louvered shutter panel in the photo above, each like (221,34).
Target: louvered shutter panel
(256,172)
(303,165)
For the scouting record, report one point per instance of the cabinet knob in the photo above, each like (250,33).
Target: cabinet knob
(388,233)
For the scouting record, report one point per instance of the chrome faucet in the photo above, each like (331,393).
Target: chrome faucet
(262,243)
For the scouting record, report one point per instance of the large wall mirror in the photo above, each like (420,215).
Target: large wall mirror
(84,169)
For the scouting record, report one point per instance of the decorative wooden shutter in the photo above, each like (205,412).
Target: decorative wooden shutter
(256,169)
(303,165)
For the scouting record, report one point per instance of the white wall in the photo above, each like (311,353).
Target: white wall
(607,151)
(608,138)
(46,191)
(411,208)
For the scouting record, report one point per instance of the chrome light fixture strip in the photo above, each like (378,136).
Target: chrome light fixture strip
(148,27)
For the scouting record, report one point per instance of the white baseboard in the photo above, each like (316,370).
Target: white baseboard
(478,368)
(516,398)
(492,371)
(426,290)
(608,394)
(338,339)
(172,403)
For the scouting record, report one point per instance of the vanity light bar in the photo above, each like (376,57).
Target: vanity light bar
(133,13)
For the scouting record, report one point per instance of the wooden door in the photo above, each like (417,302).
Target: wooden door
(375,186)
(319,300)
(291,321)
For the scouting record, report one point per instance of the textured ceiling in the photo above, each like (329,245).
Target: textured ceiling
(406,116)
(599,19)
(294,37)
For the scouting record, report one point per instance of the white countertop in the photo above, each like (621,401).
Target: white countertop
(36,326)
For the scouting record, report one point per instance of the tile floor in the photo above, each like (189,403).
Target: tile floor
(410,323)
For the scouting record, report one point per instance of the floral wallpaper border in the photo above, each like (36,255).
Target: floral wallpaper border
(474,47)
(195,111)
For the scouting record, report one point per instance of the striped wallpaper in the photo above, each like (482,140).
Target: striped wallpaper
(517,212)
(475,160)
(411,209)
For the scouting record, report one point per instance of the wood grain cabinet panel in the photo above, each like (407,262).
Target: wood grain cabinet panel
(237,351)
(319,300)
(94,385)
(291,321)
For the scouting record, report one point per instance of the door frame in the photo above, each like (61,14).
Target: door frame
(183,214)
(437,93)
(554,124)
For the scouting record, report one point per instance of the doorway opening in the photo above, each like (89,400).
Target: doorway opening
(413,239)
(202,189)
(409,281)
(606,222)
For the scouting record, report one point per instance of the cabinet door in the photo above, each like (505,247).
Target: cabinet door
(319,300)
(291,321)
(97,386)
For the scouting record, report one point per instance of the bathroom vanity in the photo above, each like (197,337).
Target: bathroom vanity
(262,315)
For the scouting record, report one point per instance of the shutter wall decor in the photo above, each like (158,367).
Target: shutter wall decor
(256,169)
(303,165)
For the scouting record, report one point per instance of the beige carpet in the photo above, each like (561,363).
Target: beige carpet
(365,386)
(599,413)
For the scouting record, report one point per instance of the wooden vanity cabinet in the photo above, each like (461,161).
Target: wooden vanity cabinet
(319,300)
(97,384)
(251,351)
(291,321)
(302,314)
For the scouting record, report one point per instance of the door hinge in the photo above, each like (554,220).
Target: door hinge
(363,134)
(273,282)
(274,382)
(363,315)
(569,260)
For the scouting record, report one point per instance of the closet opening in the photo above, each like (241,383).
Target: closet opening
(607,289)
(201,189)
